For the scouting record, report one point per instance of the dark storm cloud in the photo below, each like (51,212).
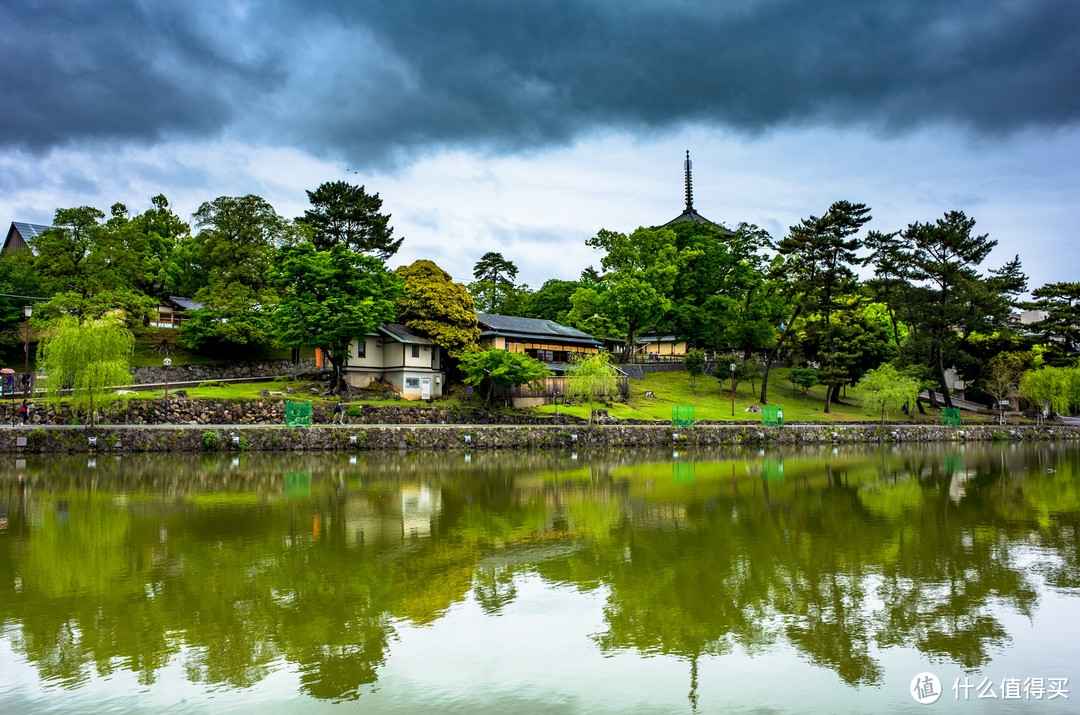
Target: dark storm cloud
(369,78)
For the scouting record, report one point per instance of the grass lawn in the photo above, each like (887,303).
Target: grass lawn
(713,403)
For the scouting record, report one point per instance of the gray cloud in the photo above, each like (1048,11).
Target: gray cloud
(368,80)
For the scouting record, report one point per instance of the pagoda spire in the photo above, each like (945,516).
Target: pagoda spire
(689,185)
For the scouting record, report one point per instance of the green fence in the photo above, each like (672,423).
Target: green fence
(682,415)
(772,415)
(950,416)
(298,414)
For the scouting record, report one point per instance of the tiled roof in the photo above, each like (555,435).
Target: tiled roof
(511,326)
(403,335)
(29,230)
(186,303)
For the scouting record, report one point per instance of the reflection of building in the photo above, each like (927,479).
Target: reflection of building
(410,513)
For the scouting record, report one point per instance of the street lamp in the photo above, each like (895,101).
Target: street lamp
(28,310)
(167,362)
(732,366)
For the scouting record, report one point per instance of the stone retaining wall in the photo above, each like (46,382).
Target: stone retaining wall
(271,411)
(225,371)
(465,438)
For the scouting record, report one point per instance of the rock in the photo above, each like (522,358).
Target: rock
(264,393)
(290,391)
(753,408)
(649,393)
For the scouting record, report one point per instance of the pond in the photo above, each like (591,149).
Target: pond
(809,580)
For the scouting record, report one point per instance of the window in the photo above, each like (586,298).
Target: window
(416,351)
(361,348)
(413,382)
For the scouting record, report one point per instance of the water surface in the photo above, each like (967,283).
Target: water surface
(808,580)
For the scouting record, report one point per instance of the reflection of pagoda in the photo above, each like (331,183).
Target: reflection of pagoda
(689,214)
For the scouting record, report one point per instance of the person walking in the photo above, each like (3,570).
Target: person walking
(339,413)
(24,410)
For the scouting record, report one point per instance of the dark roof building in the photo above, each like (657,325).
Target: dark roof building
(402,334)
(19,235)
(532,330)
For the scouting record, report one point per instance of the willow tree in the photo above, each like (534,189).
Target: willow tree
(591,378)
(91,358)
(887,389)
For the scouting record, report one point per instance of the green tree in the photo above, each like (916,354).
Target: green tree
(1002,377)
(346,215)
(90,267)
(328,298)
(694,362)
(89,357)
(1061,326)
(639,273)
(1048,387)
(716,299)
(502,368)
(493,290)
(552,301)
(886,389)
(746,370)
(949,301)
(234,250)
(436,306)
(822,252)
(803,378)
(591,378)
(18,277)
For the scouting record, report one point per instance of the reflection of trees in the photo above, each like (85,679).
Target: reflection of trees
(870,552)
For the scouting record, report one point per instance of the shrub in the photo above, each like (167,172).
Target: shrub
(209,440)
(212,383)
(35,437)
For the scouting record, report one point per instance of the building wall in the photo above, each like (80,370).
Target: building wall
(393,361)
(662,347)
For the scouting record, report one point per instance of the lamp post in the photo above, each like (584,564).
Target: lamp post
(732,366)
(167,362)
(28,310)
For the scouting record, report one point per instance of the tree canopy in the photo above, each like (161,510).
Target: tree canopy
(89,357)
(502,368)
(328,298)
(346,215)
(436,306)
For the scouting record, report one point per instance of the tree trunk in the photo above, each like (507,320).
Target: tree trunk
(338,386)
(771,356)
(941,379)
(828,397)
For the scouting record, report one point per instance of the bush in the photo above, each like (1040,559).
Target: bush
(212,383)
(209,440)
(284,378)
(35,437)
(355,410)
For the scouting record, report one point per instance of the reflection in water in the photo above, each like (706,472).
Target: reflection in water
(237,568)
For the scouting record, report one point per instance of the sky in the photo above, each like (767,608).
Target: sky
(525,127)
